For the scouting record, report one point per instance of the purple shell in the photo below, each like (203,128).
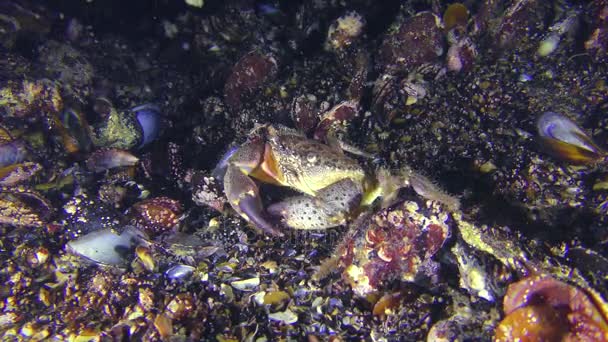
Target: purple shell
(148,116)
(13,152)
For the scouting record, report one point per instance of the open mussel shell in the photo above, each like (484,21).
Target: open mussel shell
(107,246)
(562,138)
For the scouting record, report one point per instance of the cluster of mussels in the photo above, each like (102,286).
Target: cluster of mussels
(109,223)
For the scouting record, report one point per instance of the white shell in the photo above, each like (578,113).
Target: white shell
(558,127)
(107,247)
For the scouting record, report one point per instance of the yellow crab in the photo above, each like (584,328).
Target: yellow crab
(332,185)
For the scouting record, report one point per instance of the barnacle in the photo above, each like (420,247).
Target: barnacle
(156,215)
(392,244)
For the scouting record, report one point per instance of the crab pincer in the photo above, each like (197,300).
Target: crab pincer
(242,191)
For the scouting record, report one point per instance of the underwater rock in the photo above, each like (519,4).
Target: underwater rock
(120,129)
(127,129)
(68,66)
(23,20)
(155,215)
(83,215)
(343,31)
(248,74)
(519,23)
(415,41)
(597,42)
(30,100)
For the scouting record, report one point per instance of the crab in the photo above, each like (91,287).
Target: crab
(333,187)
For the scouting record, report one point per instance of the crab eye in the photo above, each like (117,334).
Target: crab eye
(311,157)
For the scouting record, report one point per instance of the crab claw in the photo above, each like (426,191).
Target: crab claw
(329,208)
(243,196)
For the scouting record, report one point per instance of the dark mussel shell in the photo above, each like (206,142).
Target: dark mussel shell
(23,208)
(562,138)
(76,125)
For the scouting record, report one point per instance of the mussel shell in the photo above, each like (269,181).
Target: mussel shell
(106,246)
(13,152)
(24,208)
(17,173)
(179,272)
(109,158)
(149,118)
(77,126)
(562,138)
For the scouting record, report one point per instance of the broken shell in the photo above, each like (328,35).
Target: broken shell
(532,323)
(105,159)
(145,256)
(37,256)
(473,276)
(107,247)
(287,317)
(164,325)
(246,284)
(461,55)
(387,303)
(180,306)
(275,298)
(565,140)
